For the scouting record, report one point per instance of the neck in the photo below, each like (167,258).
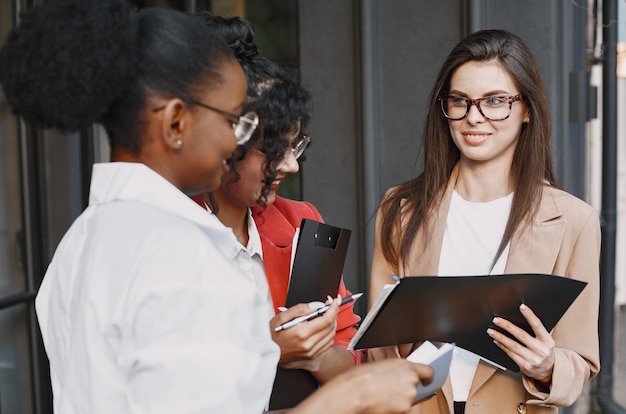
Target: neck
(235,217)
(481,185)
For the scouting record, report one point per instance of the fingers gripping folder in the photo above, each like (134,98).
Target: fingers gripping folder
(320,254)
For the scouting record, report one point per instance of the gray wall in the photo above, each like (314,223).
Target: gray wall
(370,65)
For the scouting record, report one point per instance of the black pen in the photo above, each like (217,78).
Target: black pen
(315,314)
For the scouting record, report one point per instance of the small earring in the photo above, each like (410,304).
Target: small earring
(179,142)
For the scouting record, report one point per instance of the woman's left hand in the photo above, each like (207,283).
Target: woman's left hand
(534,355)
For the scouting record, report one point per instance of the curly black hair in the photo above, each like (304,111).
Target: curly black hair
(280,107)
(279,101)
(238,33)
(70,63)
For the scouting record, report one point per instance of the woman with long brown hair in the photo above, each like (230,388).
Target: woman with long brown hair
(487,203)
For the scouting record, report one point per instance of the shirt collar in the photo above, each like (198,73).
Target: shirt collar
(231,246)
(254,242)
(129,181)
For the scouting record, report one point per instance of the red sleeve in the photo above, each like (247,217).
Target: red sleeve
(272,224)
(346,324)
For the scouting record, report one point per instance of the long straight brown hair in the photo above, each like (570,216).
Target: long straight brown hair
(408,206)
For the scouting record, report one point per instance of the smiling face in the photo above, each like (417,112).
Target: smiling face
(211,138)
(245,191)
(482,141)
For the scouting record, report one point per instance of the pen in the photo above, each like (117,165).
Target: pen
(315,314)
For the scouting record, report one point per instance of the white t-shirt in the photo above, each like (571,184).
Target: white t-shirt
(140,311)
(471,239)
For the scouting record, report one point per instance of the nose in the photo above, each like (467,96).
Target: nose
(474,115)
(289,164)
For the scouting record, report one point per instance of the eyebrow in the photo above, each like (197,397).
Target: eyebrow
(498,92)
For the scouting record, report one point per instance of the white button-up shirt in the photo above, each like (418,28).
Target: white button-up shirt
(248,259)
(140,312)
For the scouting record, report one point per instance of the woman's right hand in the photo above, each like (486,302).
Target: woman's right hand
(306,340)
(381,387)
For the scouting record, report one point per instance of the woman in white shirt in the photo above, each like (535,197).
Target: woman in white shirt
(139,310)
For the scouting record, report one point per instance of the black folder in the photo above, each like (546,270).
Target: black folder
(316,273)
(460,309)
(318,264)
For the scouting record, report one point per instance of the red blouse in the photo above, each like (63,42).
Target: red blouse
(277,225)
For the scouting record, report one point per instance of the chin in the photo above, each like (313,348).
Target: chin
(213,182)
(271,197)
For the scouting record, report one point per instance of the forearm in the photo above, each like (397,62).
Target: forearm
(332,362)
(339,396)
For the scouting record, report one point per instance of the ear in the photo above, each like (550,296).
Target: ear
(526,117)
(173,123)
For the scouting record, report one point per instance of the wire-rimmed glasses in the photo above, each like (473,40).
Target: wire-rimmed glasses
(493,108)
(243,125)
(296,148)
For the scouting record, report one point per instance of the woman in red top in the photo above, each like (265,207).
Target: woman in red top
(248,193)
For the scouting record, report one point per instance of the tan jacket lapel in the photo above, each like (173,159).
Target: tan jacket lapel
(540,242)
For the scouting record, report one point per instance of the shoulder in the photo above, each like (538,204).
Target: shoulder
(295,209)
(568,204)
(575,211)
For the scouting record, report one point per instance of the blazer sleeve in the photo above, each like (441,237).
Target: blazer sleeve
(346,318)
(576,335)
(293,212)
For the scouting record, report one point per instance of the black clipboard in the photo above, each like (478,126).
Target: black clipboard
(316,273)
(460,309)
(318,264)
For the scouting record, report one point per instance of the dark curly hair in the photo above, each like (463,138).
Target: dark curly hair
(70,63)
(279,101)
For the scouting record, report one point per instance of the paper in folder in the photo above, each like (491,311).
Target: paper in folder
(460,309)
(320,254)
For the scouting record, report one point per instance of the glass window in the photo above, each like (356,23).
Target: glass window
(15,362)
(12,275)
(276,34)
(16,385)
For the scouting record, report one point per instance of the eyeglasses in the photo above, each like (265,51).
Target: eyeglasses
(297,147)
(494,108)
(243,125)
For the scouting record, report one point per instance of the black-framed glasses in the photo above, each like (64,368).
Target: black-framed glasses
(493,108)
(243,125)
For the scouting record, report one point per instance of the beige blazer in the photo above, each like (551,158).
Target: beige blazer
(564,240)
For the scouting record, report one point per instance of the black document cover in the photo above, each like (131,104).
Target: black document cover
(460,309)
(318,264)
(316,273)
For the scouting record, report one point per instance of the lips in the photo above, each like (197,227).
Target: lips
(276,183)
(475,138)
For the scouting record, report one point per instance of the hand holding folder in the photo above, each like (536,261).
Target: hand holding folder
(460,309)
(439,359)
(320,254)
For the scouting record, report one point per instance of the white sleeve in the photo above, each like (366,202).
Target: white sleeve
(195,340)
